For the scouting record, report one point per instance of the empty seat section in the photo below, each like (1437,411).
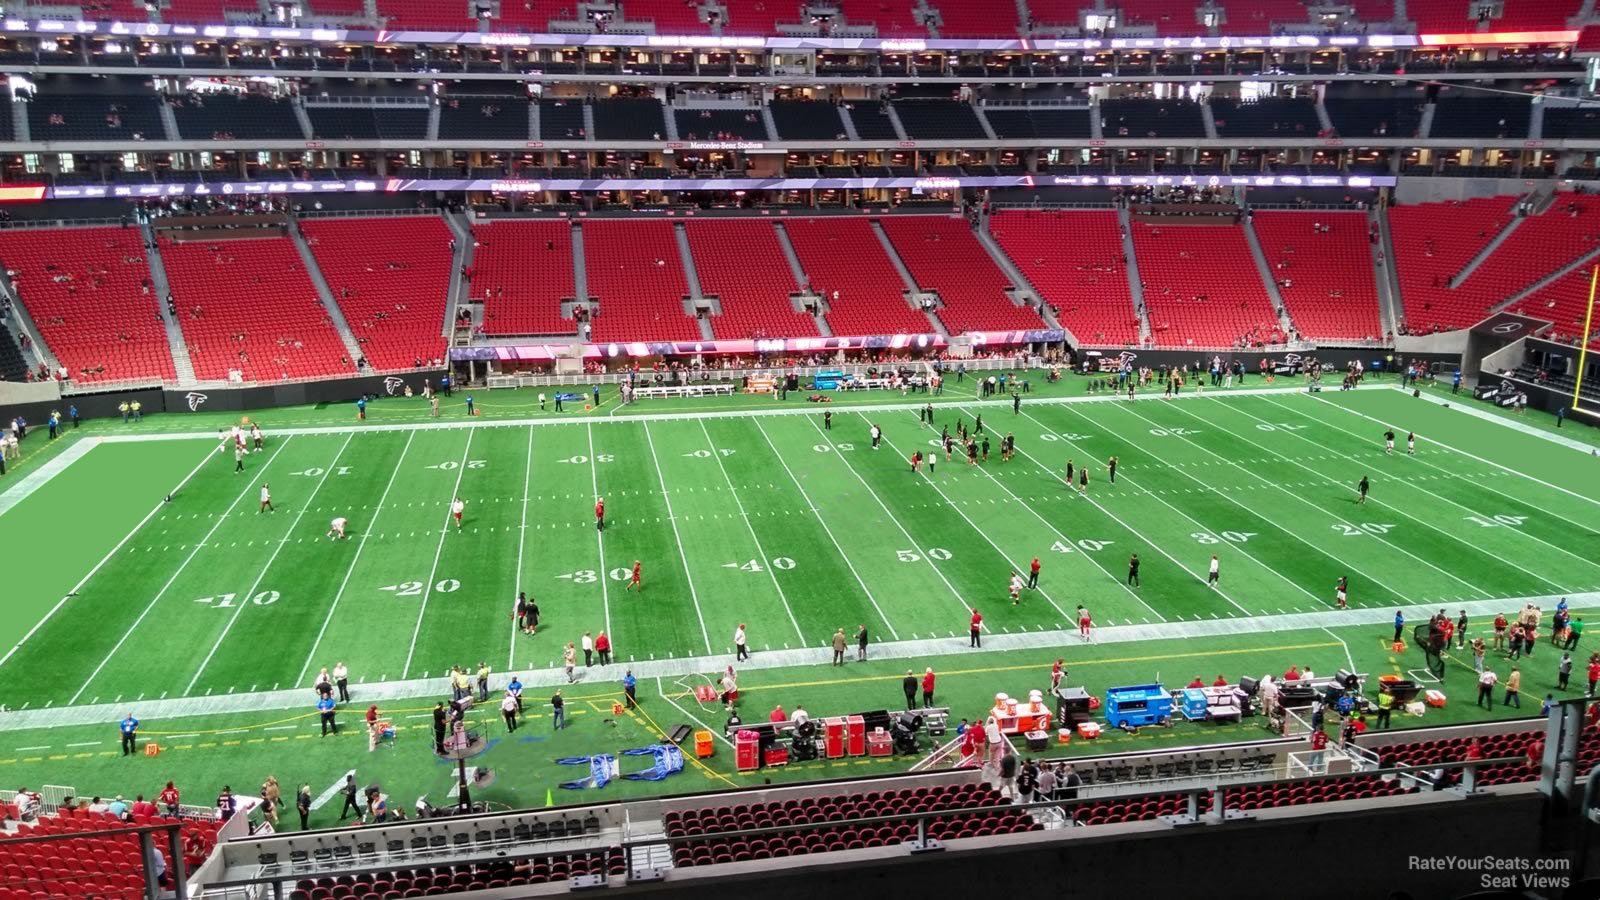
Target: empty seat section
(1374,117)
(346,123)
(1266,118)
(1538,246)
(85,290)
(1152,118)
(721,124)
(1331,291)
(484,118)
(759,17)
(1489,117)
(1201,288)
(226,117)
(391,277)
(843,255)
(1039,122)
(1057,12)
(207,12)
(893,17)
(741,263)
(807,119)
(1168,16)
(1261,17)
(1517,15)
(94,117)
(636,276)
(532,16)
(561,120)
(522,270)
(1074,259)
(443,15)
(328,8)
(628,119)
(1433,242)
(1564,303)
(936,119)
(871,118)
(975,18)
(1562,122)
(669,16)
(248,305)
(943,255)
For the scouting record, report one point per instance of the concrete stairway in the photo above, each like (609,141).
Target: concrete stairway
(326,293)
(183,366)
(1135,283)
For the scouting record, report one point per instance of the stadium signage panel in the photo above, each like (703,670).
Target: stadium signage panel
(534,352)
(776,42)
(590,185)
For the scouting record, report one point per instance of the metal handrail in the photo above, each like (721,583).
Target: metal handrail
(405,859)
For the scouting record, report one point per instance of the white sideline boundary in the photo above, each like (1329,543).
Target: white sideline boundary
(38,478)
(1060,642)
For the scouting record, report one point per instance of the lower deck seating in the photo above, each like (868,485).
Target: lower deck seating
(741,263)
(248,305)
(1433,242)
(943,255)
(391,277)
(845,262)
(810,817)
(636,275)
(1074,259)
(1201,286)
(86,862)
(522,270)
(88,292)
(441,880)
(1323,265)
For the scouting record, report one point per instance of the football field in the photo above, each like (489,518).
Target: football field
(768,519)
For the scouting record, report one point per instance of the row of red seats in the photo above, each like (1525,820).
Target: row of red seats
(248,304)
(1075,260)
(742,264)
(636,275)
(1323,265)
(1538,246)
(1201,286)
(843,256)
(943,255)
(87,860)
(87,290)
(522,270)
(391,277)
(442,880)
(1433,242)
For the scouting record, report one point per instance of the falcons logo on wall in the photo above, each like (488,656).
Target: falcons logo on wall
(195,399)
(392,385)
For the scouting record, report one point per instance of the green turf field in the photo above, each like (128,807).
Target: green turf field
(205,615)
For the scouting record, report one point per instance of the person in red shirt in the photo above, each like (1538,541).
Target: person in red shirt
(1057,672)
(778,715)
(1033,574)
(1448,629)
(169,799)
(1198,682)
(634,582)
(143,808)
(1594,672)
(1475,749)
(916,461)
(602,646)
(1500,631)
(1535,754)
(1220,682)
(1293,674)
(1085,624)
(1319,743)
(975,632)
(600,514)
(927,688)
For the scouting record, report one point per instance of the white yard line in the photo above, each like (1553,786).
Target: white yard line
(1347,656)
(1463,403)
(444,533)
(1196,522)
(1299,499)
(600,538)
(522,543)
(104,559)
(355,558)
(826,530)
(332,792)
(1154,545)
(249,486)
(1488,417)
(1017,567)
(245,598)
(1452,502)
(914,545)
(1376,502)
(760,551)
(676,538)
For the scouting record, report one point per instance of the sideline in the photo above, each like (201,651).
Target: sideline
(24,487)
(956,644)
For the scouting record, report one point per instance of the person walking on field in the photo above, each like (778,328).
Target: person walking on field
(975,630)
(741,648)
(839,645)
(861,644)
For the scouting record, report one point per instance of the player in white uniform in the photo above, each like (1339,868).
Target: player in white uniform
(1016,589)
(336,528)
(458,507)
(1411,443)
(255,435)
(266,499)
